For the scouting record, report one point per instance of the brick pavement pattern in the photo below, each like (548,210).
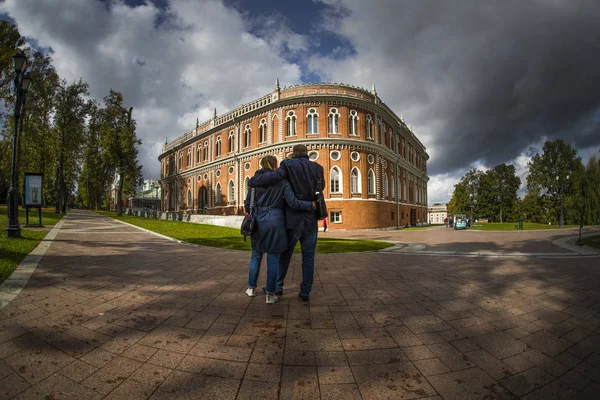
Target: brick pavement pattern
(117,313)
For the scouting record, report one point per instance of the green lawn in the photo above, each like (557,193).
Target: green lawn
(230,238)
(511,226)
(14,250)
(592,241)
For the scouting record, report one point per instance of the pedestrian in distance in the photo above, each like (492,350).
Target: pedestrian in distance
(269,236)
(325,225)
(306,179)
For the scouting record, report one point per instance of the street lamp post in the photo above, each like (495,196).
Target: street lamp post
(561,183)
(22,82)
(471,203)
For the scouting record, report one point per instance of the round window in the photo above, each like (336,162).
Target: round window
(335,155)
(218,173)
(189,181)
(247,166)
(230,170)
(199,178)
(313,155)
(370,158)
(355,156)
(205,176)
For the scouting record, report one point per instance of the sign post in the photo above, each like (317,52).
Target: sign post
(33,196)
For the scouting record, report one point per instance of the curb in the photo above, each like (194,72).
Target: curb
(14,284)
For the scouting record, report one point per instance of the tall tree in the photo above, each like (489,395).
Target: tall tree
(504,184)
(551,173)
(10,42)
(69,121)
(37,144)
(120,143)
(466,193)
(96,174)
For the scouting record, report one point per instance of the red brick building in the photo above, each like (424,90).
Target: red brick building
(375,167)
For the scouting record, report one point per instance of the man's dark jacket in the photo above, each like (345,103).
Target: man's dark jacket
(305,177)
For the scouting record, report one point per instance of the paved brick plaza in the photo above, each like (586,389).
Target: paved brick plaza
(113,312)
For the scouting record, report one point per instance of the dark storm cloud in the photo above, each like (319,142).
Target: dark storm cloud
(484,80)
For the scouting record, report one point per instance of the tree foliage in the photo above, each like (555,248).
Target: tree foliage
(78,144)
(491,194)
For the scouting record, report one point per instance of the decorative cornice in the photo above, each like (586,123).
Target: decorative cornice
(263,102)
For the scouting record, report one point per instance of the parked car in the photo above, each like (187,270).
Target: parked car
(460,221)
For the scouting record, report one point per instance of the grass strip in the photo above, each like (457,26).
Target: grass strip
(592,241)
(513,226)
(14,250)
(230,238)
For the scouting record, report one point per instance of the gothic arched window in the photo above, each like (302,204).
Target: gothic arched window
(291,123)
(247,136)
(355,186)
(371,181)
(262,131)
(334,117)
(353,123)
(335,177)
(312,120)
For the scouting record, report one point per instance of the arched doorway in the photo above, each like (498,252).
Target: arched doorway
(203,199)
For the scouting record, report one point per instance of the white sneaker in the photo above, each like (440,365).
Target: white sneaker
(251,292)
(271,298)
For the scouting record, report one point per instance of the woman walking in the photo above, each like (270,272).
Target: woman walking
(270,234)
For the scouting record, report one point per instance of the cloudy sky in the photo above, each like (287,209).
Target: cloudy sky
(481,82)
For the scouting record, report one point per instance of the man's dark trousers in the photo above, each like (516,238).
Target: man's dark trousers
(308,243)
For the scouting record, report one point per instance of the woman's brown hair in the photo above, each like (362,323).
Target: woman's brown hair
(269,162)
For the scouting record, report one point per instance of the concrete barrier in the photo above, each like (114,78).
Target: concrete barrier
(230,221)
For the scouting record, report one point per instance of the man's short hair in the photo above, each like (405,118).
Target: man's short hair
(299,150)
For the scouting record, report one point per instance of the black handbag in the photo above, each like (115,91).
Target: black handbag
(249,222)
(321,207)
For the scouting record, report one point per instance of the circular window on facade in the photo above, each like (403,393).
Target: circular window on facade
(205,176)
(218,173)
(335,155)
(189,181)
(230,170)
(199,178)
(355,156)
(247,166)
(370,158)
(313,155)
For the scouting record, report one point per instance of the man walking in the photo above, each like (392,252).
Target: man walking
(306,178)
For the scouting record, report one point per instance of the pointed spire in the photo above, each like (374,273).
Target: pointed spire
(215,115)
(197,122)
(373,90)
(277,84)
(166,141)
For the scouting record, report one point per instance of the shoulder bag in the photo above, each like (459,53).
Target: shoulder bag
(249,222)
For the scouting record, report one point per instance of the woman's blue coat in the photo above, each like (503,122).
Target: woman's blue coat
(269,202)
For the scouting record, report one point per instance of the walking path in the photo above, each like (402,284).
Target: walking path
(113,312)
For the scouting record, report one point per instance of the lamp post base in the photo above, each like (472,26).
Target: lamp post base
(13,229)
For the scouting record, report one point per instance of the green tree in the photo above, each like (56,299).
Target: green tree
(119,143)
(466,193)
(503,184)
(10,42)
(37,144)
(550,173)
(69,125)
(95,176)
